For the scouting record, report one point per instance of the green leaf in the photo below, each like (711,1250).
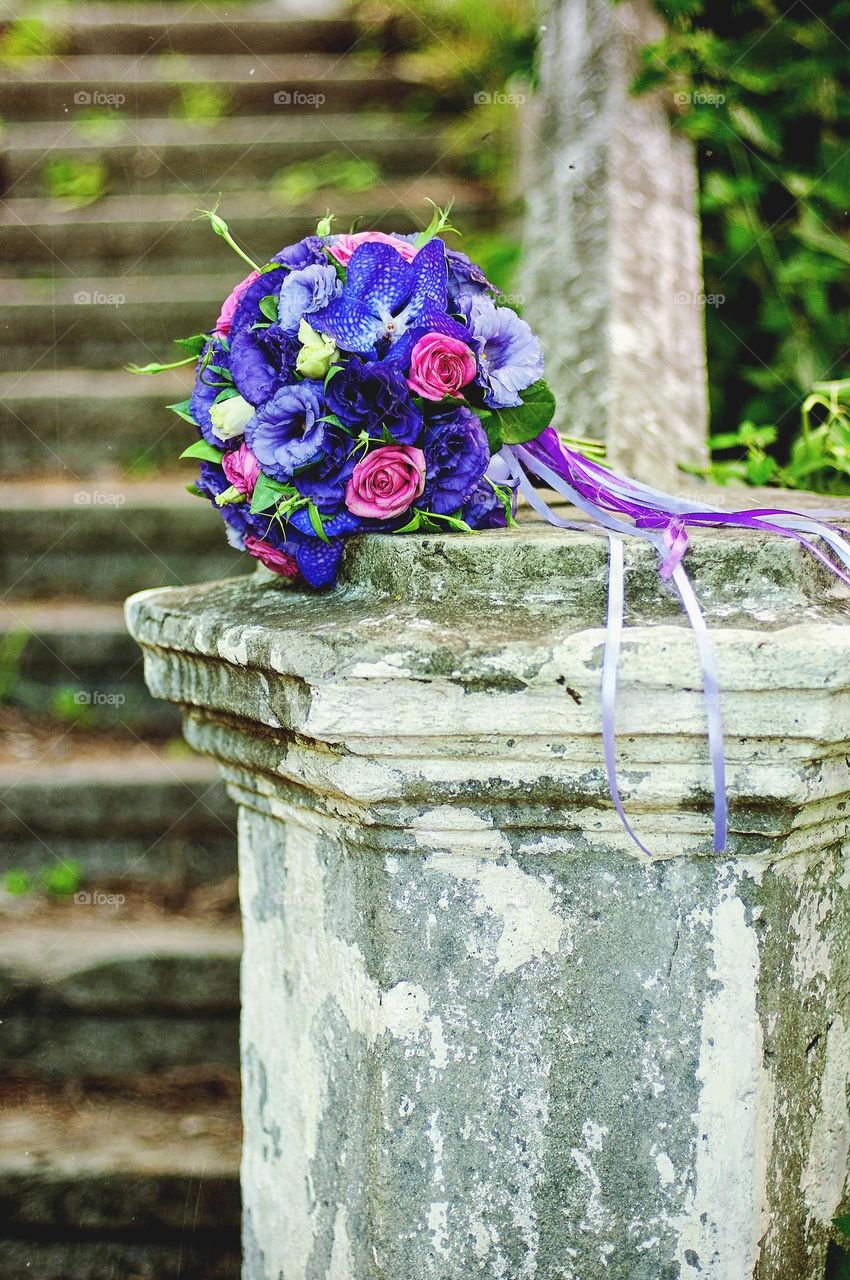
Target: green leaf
(333,420)
(316,521)
(195,344)
(439,222)
(182,411)
(525,422)
(413,523)
(200,449)
(269,307)
(194,490)
(332,372)
(159,368)
(842,1225)
(267,493)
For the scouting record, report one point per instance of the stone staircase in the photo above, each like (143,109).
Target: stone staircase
(119,1127)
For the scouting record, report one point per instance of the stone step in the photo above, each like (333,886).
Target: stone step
(147,233)
(156,28)
(101,541)
(94,991)
(159,82)
(240,153)
(96,1186)
(125,816)
(80,422)
(104,323)
(74,666)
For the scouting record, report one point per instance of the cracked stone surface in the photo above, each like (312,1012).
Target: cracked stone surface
(483,1035)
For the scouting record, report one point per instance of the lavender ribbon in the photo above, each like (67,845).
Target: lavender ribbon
(663,521)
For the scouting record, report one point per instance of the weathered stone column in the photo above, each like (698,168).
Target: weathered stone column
(483,1035)
(612,275)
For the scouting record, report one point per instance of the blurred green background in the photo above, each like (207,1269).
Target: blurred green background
(762,89)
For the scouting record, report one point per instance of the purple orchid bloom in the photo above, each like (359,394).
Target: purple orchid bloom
(387,302)
(509,356)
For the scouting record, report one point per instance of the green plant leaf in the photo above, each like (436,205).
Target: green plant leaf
(267,493)
(195,344)
(269,307)
(182,411)
(413,523)
(316,521)
(200,449)
(525,422)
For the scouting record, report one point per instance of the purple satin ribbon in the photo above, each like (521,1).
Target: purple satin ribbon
(663,521)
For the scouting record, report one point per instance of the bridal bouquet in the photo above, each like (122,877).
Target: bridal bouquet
(357,383)
(375,383)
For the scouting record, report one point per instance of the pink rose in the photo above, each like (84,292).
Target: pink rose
(223,323)
(344,245)
(386,482)
(278,561)
(440,366)
(241,468)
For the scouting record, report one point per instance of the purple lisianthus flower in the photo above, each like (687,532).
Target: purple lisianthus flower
(262,360)
(325,482)
(305,291)
(237,516)
(208,386)
(286,433)
(509,356)
(466,279)
(372,395)
(457,453)
(306,252)
(387,303)
(262,356)
(484,509)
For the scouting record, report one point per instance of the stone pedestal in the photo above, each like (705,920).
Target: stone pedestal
(483,1035)
(612,272)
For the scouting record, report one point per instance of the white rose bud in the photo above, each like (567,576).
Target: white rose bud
(230,417)
(317,353)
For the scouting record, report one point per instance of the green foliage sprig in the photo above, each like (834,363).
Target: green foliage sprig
(763,90)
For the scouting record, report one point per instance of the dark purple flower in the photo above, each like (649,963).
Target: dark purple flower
(387,302)
(208,385)
(237,516)
(319,560)
(465,278)
(484,509)
(457,453)
(372,395)
(509,355)
(325,482)
(305,291)
(262,356)
(286,433)
(262,361)
(306,252)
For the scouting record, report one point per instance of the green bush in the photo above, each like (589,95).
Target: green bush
(762,88)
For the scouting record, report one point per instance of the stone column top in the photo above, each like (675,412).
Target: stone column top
(430,640)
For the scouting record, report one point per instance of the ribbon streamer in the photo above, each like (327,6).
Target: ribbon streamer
(663,521)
